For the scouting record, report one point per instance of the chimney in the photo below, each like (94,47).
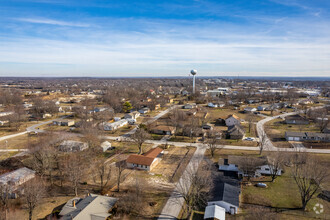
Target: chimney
(74,203)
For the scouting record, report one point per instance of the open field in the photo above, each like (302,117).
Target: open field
(18,142)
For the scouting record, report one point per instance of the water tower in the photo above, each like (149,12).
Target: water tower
(193,72)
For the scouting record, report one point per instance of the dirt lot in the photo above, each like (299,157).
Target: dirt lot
(173,163)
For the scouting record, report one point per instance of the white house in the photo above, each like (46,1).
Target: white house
(115,125)
(105,145)
(214,212)
(232,120)
(266,170)
(250,109)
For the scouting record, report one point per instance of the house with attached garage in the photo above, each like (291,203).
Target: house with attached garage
(64,122)
(226,195)
(306,136)
(147,161)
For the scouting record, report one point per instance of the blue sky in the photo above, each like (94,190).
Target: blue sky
(164,38)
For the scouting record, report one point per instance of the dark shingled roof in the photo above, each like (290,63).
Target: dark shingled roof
(226,192)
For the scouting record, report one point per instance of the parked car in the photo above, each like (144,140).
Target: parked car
(262,185)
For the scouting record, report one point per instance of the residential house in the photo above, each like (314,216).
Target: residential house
(92,207)
(235,132)
(163,130)
(16,178)
(220,122)
(268,170)
(263,107)
(306,136)
(232,120)
(189,106)
(250,109)
(229,169)
(214,212)
(226,196)
(72,146)
(132,115)
(64,122)
(114,125)
(296,120)
(144,110)
(106,145)
(146,161)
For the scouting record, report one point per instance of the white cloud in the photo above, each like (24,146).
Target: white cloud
(51,22)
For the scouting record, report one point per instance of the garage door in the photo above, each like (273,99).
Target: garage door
(290,138)
(296,139)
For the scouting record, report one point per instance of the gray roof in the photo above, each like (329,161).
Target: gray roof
(17,176)
(226,192)
(236,129)
(93,207)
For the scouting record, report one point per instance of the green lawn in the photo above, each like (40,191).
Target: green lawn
(281,194)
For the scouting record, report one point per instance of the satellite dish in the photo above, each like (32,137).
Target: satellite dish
(193,72)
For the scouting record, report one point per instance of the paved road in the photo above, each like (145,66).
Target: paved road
(12,135)
(13,150)
(174,204)
(260,129)
(32,128)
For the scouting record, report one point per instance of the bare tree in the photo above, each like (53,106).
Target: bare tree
(121,166)
(139,137)
(250,119)
(44,155)
(262,141)
(75,168)
(213,141)
(101,173)
(249,166)
(34,190)
(132,201)
(4,199)
(193,188)
(275,161)
(309,175)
